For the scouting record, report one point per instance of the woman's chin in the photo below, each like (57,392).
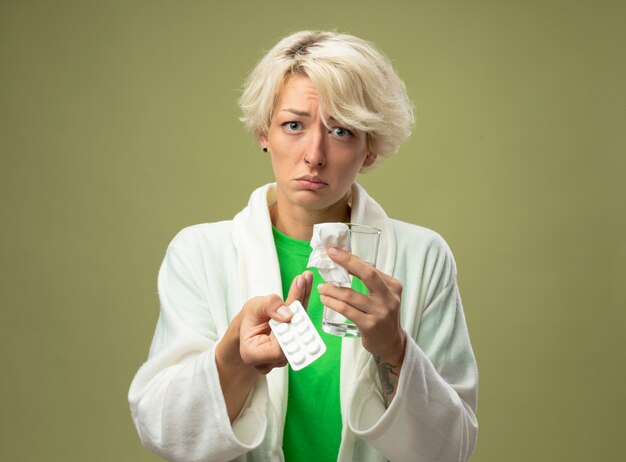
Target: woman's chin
(314,201)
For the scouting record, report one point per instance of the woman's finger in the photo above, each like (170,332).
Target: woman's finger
(261,349)
(298,290)
(391,282)
(366,273)
(353,298)
(267,368)
(308,277)
(353,314)
(271,306)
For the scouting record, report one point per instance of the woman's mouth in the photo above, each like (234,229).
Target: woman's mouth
(313,183)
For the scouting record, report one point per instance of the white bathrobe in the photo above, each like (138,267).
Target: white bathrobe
(211,270)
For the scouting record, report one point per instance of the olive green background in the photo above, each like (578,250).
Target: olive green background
(119,126)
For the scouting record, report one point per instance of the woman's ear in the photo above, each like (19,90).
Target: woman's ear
(369,159)
(263,142)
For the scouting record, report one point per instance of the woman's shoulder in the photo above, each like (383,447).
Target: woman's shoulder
(423,247)
(408,234)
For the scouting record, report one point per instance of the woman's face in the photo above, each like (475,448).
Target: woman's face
(314,166)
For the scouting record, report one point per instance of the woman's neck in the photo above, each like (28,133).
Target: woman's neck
(297,222)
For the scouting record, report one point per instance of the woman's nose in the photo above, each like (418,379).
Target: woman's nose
(315,154)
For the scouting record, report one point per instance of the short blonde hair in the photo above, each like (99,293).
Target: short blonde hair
(357,86)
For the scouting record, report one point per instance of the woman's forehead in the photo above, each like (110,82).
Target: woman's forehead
(298,96)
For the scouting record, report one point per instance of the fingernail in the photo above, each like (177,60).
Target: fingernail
(283,311)
(333,251)
(300,283)
(320,287)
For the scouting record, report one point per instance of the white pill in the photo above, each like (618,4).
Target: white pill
(287,337)
(301,328)
(307,337)
(292,347)
(297,358)
(313,348)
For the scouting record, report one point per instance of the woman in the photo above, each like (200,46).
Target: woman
(325,107)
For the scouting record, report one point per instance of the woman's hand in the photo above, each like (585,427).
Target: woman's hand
(249,347)
(258,346)
(377,314)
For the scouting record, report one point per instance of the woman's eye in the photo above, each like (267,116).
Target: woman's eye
(292,126)
(341,132)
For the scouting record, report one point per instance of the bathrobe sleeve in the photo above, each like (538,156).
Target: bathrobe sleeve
(176,399)
(432,416)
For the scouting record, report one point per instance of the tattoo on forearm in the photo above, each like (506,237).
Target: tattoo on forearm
(385,371)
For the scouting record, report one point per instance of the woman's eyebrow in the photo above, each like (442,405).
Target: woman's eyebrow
(296,112)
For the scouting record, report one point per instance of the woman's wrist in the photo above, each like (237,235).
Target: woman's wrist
(394,352)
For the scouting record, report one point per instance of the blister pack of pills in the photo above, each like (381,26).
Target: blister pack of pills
(298,339)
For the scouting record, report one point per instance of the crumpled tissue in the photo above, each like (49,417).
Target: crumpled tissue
(326,235)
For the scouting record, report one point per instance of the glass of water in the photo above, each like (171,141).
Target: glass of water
(364,244)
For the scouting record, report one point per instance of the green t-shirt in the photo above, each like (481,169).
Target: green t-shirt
(313,422)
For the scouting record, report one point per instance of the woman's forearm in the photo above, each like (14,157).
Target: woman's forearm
(389,366)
